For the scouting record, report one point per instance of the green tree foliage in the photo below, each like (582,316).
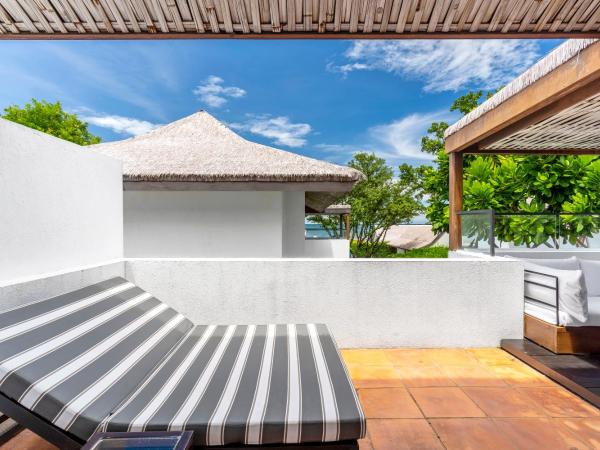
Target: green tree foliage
(379,201)
(516,184)
(52,119)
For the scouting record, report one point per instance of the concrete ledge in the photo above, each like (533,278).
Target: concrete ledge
(25,290)
(366,303)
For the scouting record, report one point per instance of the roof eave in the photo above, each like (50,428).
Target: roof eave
(561,88)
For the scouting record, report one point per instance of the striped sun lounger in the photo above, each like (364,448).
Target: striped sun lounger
(110,357)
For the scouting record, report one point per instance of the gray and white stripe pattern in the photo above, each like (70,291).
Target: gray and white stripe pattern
(111,357)
(252,384)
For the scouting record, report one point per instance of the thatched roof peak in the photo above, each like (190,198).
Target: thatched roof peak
(200,148)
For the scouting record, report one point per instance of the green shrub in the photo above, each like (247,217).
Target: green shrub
(385,251)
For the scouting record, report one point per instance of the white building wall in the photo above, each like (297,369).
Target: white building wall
(293,224)
(327,248)
(366,303)
(61,206)
(183,224)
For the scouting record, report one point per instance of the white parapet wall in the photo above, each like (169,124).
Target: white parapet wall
(366,303)
(61,205)
(26,290)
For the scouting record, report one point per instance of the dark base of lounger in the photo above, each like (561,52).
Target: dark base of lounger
(562,340)
(345,445)
(66,441)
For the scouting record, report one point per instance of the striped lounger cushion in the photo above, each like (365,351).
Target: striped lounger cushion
(110,357)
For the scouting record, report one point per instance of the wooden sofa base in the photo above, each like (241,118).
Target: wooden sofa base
(562,340)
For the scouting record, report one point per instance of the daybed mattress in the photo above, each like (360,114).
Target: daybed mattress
(112,357)
(548,314)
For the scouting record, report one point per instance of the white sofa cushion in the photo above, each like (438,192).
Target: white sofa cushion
(591,272)
(571,263)
(571,284)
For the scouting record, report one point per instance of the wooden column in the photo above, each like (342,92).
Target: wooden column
(348,226)
(455,197)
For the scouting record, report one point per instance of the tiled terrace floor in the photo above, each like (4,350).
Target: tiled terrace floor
(454,399)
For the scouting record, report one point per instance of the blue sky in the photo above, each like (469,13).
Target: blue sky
(326,99)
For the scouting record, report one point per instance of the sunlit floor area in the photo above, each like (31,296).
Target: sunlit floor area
(453,399)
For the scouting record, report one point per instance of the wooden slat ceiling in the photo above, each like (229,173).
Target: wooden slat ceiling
(119,19)
(575,129)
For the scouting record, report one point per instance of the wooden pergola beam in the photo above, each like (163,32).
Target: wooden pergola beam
(574,151)
(295,35)
(455,199)
(567,85)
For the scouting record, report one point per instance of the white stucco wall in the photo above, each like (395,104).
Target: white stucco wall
(60,204)
(30,289)
(293,224)
(182,224)
(366,303)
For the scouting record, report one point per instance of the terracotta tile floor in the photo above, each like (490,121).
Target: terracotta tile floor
(454,399)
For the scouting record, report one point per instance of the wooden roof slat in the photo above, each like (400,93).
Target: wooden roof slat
(160,15)
(85,15)
(291,16)
(96,6)
(578,14)
(452,10)
(53,13)
(70,14)
(337,17)
(307,15)
(7,20)
(240,10)
(321,27)
(211,13)
(30,7)
(385,16)
(354,16)
(226,14)
(312,18)
(562,12)
(142,10)
(434,20)
(481,11)
(550,10)
(112,7)
(512,14)
(275,20)
(529,14)
(403,16)
(176,19)
(255,14)
(594,19)
(370,16)
(197,16)
(419,8)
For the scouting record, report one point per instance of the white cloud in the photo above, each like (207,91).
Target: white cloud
(279,129)
(402,137)
(444,65)
(215,94)
(396,142)
(120,124)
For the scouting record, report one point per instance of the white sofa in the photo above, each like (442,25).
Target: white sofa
(563,292)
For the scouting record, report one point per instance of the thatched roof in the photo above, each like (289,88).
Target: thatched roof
(199,148)
(559,56)
(408,237)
